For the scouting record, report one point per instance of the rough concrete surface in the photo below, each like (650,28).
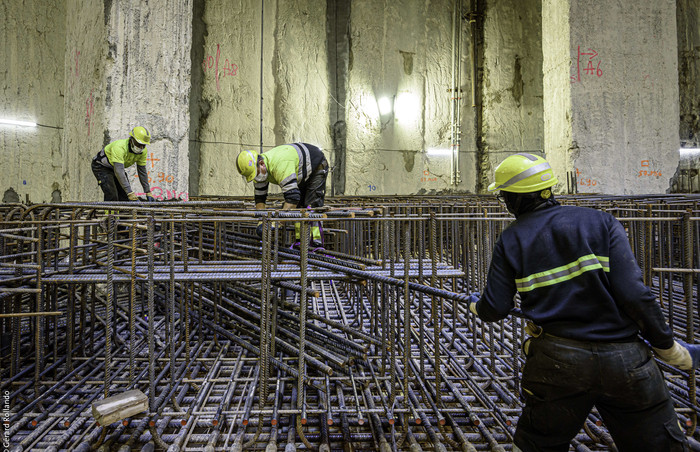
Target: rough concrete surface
(32,43)
(148,84)
(688,70)
(389,154)
(556,87)
(614,123)
(85,55)
(512,86)
(624,90)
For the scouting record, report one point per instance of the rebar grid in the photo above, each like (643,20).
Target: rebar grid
(243,343)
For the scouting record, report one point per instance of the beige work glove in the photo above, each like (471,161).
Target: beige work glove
(677,356)
(132,196)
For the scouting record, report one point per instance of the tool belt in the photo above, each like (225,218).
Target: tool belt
(102,159)
(321,166)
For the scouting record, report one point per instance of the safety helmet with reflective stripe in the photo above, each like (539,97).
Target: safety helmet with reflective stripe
(523,173)
(141,135)
(247,164)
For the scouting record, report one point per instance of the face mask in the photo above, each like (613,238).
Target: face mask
(136,150)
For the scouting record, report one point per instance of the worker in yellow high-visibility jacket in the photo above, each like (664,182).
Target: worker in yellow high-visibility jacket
(300,169)
(110,163)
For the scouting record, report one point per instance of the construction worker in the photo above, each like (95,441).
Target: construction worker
(110,163)
(300,169)
(582,290)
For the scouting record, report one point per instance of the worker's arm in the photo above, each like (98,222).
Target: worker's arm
(496,301)
(285,172)
(143,178)
(123,180)
(632,296)
(260,194)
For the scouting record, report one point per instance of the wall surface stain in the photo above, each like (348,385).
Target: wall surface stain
(518,84)
(409,160)
(10,196)
(407,61)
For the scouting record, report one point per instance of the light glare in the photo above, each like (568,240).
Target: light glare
(406,107)
(384,106)
(15,122)
(438,151)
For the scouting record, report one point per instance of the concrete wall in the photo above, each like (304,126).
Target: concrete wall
(689,71)
(32,46)
(402,50)
(148,83)
(84,105)
(623,89)
(132,63)
(556,87)
(294,90)
(397,49)
(512,85)
(127,66)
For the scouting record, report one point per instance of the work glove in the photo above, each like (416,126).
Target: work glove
(132,196)
(473,298)
(150,197)
(681,355)
(532,330)
(259,229)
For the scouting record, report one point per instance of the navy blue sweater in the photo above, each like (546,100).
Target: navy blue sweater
(577,278)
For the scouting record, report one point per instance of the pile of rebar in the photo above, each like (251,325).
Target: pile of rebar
(242,342)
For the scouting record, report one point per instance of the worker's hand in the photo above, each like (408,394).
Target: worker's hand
(694,351)
(149,197)
(132,196)
(681,355)
(259,228)
(473,298)
(532,330)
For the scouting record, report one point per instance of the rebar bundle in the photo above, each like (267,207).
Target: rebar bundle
(243,342)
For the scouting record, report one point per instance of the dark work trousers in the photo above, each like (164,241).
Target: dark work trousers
(563,379)
(108,182)
(313,194)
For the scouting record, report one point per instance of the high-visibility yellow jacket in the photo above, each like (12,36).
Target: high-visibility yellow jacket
(290,166)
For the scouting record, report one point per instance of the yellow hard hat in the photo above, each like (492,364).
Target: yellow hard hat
(523,173)
(141,135)
(247,164)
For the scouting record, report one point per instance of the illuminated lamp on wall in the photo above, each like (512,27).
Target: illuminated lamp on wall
(15,122)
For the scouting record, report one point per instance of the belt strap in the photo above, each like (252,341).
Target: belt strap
(102,159)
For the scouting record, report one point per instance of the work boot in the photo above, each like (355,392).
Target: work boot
(316,244)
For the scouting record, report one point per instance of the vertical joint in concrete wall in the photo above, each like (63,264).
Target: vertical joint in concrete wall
(476,20)
(688,42)
(107,9)
(199,108)
(338,33)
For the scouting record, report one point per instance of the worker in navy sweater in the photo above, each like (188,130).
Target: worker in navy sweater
(582,290)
